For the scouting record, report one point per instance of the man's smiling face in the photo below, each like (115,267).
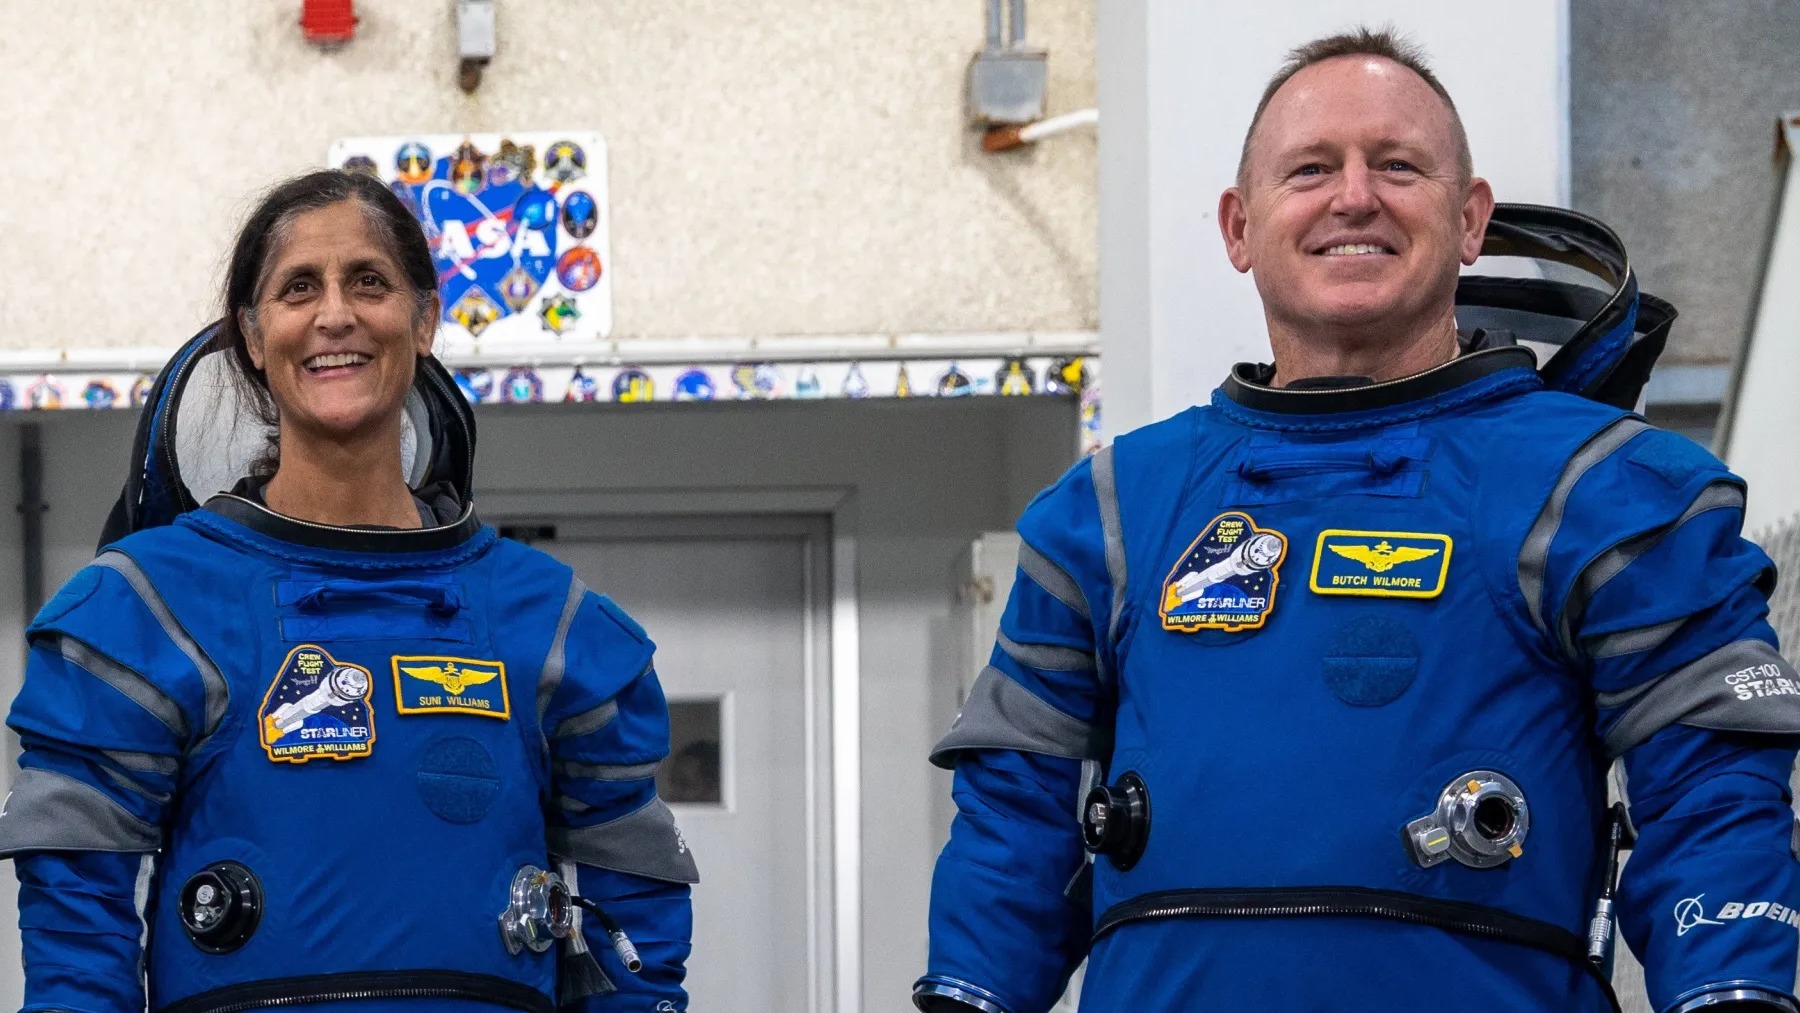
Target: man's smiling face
(1356,206)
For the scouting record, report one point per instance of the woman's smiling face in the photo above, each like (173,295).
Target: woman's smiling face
(336,328)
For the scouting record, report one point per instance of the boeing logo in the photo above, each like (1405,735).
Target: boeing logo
(1691,913)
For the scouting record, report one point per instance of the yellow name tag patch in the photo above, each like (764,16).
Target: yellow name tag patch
(1381,564)
(434,684)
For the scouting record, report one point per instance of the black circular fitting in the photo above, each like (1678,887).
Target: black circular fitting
(1495,817)
(221,905)
(1115,820)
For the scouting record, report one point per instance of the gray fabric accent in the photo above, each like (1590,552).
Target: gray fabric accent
(587,721)
(643,843)
(1048,657)
(552,675)
(573,805)
(1741,687)
(609,771)
(138,689)
(1053,579)
(1646,638)
(132,786)
(48,811)
(218,694)
(143,763)
(1534,555)
(1107,493)
(1612,562)
(141,892)
(1001,714)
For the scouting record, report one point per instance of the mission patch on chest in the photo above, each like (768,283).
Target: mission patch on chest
(1381,564)
(435,684)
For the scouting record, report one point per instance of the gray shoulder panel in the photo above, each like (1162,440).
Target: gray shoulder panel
(218,694)
(48,811)
(1646,638)
(1534,556)
(135,687)
(1721,495)
(1048,657)
(588,721)
(643,843)
(608,771)
(552,675)
(1106,491)
(1741,687)
(1001,714)
(1053,579)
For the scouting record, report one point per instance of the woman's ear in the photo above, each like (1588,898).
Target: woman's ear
(426,331)
(252,337)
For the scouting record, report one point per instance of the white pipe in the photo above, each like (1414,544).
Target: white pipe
(1018,23)
(994,30)
(1005,138)
(1058,124)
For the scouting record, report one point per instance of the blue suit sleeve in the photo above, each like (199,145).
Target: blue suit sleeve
(1652,594)
(104,717)
(608,729)
(1008,923)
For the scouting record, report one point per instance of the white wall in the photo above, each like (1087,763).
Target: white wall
(928,476)
(780,167)
(1178,84)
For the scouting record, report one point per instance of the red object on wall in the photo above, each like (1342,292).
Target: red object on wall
(328,22)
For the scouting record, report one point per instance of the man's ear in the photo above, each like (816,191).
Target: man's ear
(1234,226)
(252,337)
(1477,208)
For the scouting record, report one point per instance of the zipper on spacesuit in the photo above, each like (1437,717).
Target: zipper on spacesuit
(353,985)
(1351,901)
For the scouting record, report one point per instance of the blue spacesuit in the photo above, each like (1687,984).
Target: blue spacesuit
(1348,666)
(268,762)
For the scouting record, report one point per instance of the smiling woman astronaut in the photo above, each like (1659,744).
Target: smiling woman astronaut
(325,738)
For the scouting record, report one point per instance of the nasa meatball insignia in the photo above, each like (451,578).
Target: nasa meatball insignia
(1226,579)
(317,708)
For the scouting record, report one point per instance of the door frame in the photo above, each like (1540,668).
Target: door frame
(825,519)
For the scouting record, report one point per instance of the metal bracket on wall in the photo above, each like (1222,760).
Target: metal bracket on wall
(475,41)
(1007,80)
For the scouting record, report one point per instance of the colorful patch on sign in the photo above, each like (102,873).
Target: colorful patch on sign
(855,384)
(695,385)
(1381,564)
(100,394)
(522,385)
(433,684)
(1016,378)
(632,385)
(1226,579)
(582,387)
(317,708)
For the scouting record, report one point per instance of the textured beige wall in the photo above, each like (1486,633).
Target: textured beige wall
(778,167)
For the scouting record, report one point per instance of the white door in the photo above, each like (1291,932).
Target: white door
(728,602)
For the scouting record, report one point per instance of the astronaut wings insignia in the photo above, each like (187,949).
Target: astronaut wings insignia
(450,677)
(1382,557)
(1381,564)
(440,685)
